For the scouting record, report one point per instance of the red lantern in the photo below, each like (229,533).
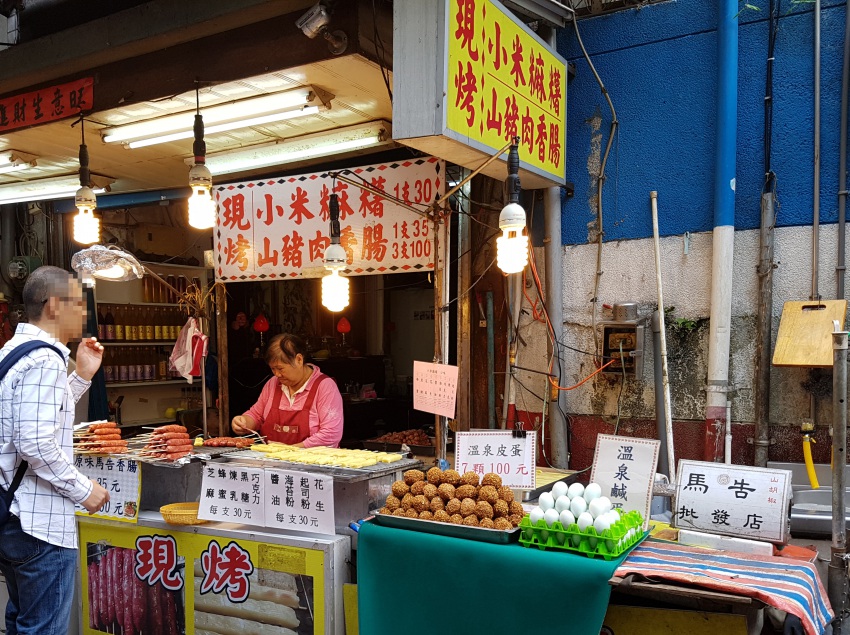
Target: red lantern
(343,326)
(261,325)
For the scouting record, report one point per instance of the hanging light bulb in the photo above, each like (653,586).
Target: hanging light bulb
(512,245)
(86,224)
(334,286)
(201,204)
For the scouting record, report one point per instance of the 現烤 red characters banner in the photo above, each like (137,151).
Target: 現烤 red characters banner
(46,104)
(279,228)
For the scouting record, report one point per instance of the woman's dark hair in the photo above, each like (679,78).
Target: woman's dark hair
(285,348)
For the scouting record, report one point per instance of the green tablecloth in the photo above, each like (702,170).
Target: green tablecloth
(416,583)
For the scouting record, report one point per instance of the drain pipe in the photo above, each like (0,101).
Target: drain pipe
(837,575)
(724,230)
(842,159)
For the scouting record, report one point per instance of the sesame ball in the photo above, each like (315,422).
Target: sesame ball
(453,506)
(399,512)
(430,491)
(420,503)
(491,479)
(483,509)
(467,507)
(500,508)
(486,523)
(446,491)
(384,510)
(456,519)
(407,501)
(392,503)
(411,513)
(471,521)
(400,488)
(516,508)
(426,515)
(502,523)
(451,477)
(465,491)
(506,494)
(470,478)
(488,493)
(435,475)
(412,476)
(417,488)
(441,516)
(515,519)
(437,504)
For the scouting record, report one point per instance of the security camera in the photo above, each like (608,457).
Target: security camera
(315,21)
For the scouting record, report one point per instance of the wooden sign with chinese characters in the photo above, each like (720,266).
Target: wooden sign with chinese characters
(299,501)
(494,79)
(435,388)
(232,494)
(512,458)
(735,500)
(46,104)
(121,478)
(625,469)
(279,228)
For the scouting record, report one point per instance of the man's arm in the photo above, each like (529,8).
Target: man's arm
(37,404)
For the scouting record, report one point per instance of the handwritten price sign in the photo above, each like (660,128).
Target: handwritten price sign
(279,227)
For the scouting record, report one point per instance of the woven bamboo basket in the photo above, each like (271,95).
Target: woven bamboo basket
(181,514)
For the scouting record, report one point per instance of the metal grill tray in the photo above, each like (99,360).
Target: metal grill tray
(481,534)
(344,474)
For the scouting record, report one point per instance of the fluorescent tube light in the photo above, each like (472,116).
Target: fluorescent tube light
(48,189)
(310,146)
(230,116)
(14,161)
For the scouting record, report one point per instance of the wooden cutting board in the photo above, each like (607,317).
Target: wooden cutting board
(805,333)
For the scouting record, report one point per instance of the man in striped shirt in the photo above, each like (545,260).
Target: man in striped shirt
(38,545)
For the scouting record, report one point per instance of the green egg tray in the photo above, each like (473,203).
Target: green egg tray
(611,544)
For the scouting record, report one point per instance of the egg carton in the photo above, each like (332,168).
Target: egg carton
(610,544)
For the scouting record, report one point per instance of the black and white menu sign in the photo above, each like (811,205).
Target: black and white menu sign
(300,501)
(232,494)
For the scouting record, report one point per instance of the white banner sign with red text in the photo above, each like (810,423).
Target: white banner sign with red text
(278,228)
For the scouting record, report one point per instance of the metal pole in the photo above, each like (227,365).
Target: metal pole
(816,166)
(837,576)
(764,329)
(491,363)
(660,408)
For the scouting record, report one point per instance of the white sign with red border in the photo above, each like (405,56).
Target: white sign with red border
(511,456)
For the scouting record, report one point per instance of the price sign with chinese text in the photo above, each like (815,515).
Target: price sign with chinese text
(435,388)
(498,451)
(232,494)
(503,83)
(278,228)
(121,478)
(300,501)
(735,500)
(625,469)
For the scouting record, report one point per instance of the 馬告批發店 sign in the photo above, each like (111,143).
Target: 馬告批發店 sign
(279,228)
(493,80)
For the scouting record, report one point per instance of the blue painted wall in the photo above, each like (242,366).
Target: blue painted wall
(659,65)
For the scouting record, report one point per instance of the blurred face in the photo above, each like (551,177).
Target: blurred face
(288,374)
(70,313)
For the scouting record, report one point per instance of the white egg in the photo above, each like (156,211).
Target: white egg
(601,524)
(614,515)
(559,489)
(546,501)
(578,506)
(576,489)
(584,521)
(535,515)
(562,503)
(567,518)
(599,506)
(550,516)
(592,491)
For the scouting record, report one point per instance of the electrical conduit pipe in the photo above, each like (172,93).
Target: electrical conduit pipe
(724,230)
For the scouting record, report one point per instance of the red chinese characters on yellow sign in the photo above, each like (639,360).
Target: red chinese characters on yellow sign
(279,228)
(47,104)
(503,83)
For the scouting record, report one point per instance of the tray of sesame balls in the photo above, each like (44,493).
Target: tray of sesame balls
(450,504)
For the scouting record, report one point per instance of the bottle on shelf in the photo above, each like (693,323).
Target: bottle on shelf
(172,281)
(157,324)
(109,324)
(147,288)
(131,324)
(123,364)
(120,323)
(147,321)
(109,365)
(182,283)
(101,325)
(161,366)
(150,363)
(140,363)
(132,374)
